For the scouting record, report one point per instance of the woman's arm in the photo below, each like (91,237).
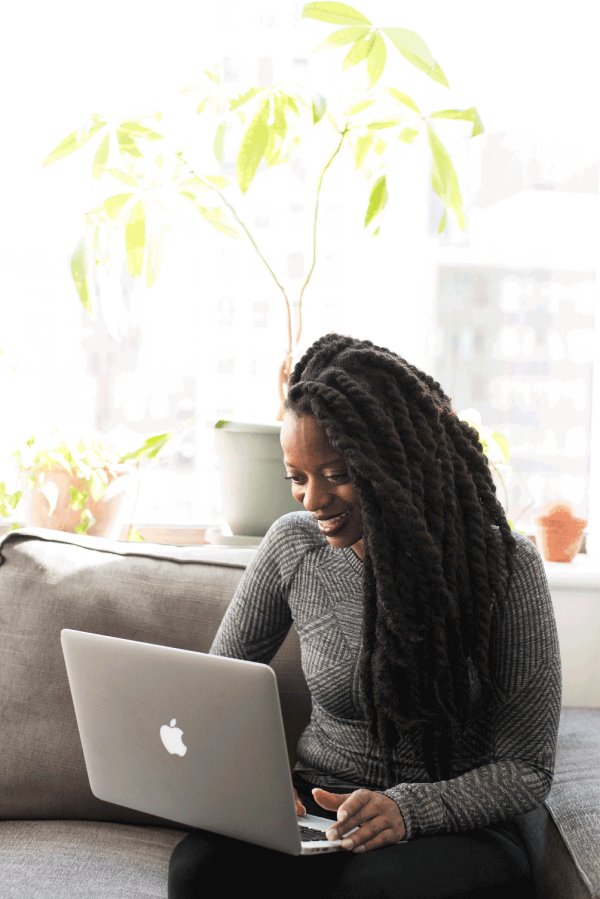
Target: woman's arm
(258,617)
(525,662)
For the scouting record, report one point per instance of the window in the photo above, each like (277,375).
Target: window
(503,313)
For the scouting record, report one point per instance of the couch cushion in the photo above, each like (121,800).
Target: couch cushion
(574,800)
(174,596)
(63,859)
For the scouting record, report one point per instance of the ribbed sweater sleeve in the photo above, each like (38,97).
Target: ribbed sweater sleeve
(526,667)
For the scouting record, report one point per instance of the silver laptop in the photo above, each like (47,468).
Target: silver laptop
(194,738)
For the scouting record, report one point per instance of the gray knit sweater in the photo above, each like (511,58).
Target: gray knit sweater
(507,757)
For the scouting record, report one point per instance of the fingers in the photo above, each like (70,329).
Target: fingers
(373,820)
(300,810)
(330,801)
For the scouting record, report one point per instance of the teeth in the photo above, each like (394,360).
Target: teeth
(332,523)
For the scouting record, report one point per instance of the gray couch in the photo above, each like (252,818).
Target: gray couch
(56,839)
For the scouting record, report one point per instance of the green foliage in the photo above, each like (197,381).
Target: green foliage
(89,464)
(259,128)
(444,180)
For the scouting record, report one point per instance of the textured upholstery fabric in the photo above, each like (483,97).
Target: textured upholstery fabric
(574,800)
(72,859)
(50,580)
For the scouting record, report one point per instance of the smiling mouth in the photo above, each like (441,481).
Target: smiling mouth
(328,525)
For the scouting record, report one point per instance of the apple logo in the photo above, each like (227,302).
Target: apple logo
(171,737)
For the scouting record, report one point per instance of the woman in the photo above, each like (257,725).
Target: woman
(428,645)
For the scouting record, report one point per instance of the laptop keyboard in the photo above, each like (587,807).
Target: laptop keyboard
(309,833)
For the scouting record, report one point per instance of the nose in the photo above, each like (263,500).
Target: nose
(315,496)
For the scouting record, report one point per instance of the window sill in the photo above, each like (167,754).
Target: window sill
(173,535)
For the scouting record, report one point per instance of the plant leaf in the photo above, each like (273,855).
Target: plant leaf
(336,13)
(78,498)
(127,144)
(319,106)
(134,535)
(150,448)
(408,135)
(376,60)
(218,220)
(412,47)
(243,98)
(438,75)
(98,483)
(101,157)
(363,144)
(80,274)
(468,115)
(359,51)
(135,239)
(157,241)
(112,206)
(277,126)
(213,74)
(86,521)
(134,127)
(377,199)
(221,422)
(218,180)
(401,98)
(359,107)
(50,491)
(443,221)
(443,177)
(340,38)
(504,444)
(218,142)
(253,146)
(122,175)
(76,139)
(380,146)
(388,123)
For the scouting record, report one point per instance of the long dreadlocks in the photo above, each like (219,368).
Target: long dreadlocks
(431,561)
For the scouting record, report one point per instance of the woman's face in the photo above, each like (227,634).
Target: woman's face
(320,481)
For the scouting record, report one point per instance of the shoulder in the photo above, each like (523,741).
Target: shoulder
(527,561)
(289,540)
(528,604)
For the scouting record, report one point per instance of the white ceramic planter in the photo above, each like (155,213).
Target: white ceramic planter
(252,473)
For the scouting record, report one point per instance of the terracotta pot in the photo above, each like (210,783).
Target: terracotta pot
(109,513)
(559,540)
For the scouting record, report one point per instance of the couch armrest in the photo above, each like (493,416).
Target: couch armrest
(563,837)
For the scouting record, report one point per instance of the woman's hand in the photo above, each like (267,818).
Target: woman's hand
(300,810)
(377,817)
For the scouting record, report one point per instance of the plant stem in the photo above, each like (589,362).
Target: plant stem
(312,268)
(254,244)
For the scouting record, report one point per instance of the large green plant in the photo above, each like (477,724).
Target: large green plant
(263,124)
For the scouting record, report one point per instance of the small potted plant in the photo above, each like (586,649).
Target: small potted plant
(560,532)
(79,487)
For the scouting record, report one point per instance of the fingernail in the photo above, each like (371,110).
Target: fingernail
(346,844)
(331,834)
(359,849)
(342,814)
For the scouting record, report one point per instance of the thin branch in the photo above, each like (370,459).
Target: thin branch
(312,268)
(253,242)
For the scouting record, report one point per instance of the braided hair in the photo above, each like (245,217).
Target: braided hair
(432,566)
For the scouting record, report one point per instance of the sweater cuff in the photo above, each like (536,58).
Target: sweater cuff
(423,814)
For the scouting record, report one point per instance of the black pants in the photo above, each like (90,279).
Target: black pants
(489,863)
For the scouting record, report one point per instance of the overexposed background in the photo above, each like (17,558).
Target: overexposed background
(503,315)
